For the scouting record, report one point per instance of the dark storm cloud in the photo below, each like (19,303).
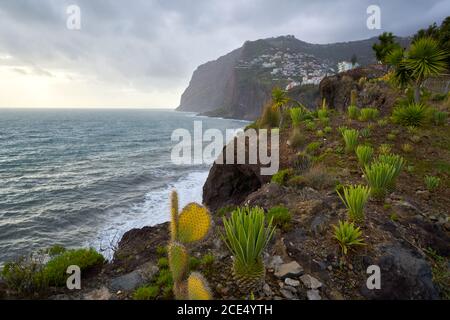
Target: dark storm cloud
(157,44)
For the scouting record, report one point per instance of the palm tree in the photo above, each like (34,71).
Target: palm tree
(279,100)
(424,59)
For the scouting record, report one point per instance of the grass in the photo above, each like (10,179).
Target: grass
(313,148)
(440,118)
(364,154)
(432,182)
(365,133)
(351,139)
(280,216)
(347,236)
(355,198)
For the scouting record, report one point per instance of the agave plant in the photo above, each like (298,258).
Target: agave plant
(351,139)
(355,198)
(347,235)
(411,115)
(246,236)
(364,154)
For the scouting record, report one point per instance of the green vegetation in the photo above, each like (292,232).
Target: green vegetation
(407,148)
(380,176)
(368,114)
(310,125)
(281,176)
(440,118)
(355,198)
(432,182)
(270,117)
(384,148)
(298,114)
(296,139)
(394,160)
(280,216)
(328,129)
(353,112)
(313,148)
(365,133)
(364,154)
(413,115)
(347,235)
(351,139)
(246,236)
(146,293)
(385,46)
(441,272)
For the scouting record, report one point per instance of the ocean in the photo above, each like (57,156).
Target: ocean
(83,177)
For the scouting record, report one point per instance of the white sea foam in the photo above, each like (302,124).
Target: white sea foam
(152,211)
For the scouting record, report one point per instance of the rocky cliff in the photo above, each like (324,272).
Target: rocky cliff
(238,84)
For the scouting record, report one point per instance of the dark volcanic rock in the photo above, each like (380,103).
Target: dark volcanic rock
(405,275)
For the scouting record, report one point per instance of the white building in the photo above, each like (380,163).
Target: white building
(345,66)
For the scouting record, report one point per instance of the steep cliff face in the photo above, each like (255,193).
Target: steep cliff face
(238,84)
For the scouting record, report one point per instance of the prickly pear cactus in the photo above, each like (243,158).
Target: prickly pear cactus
(198,288)
(192,224)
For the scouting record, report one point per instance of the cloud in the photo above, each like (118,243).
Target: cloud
(152,46)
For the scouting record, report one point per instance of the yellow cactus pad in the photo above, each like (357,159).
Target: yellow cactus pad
(198,288)
(174,215)
(194,222)
(178,261)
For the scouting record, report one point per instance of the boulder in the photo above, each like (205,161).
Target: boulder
(291,269)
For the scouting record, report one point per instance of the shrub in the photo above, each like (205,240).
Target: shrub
(348,236)
(407,148)
(351,139)
(270,117)
(310,125)
(320,133)
(325,121)
(364,154)
(368,114)
(384,148)
(24,275)
(280,216)
(318,178)
(380,176)
(353,112)
(281,176)
(313,148)
(327,129)
(296,139)
(413,114)
(301,162)
(432,182)
(355,198)
(440,118)
(246,236)
(55,270)
(146,293)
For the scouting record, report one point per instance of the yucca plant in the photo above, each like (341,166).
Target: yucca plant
(413,114)
(351,139)
(297,115)
(348,236)
(380,176)
(440,118)
(432,182)
(353,112)
(396,161)
(355,198)
(246,236)
(364,154)
(368,114)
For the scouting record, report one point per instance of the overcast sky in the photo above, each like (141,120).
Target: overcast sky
(141,53)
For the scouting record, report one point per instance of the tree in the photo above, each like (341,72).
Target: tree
(279,100)
(385,46)
(424,59)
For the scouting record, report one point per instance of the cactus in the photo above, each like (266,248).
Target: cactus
(191,225)
(178,260)
(198,288)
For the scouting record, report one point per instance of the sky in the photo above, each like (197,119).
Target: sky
(142,53)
